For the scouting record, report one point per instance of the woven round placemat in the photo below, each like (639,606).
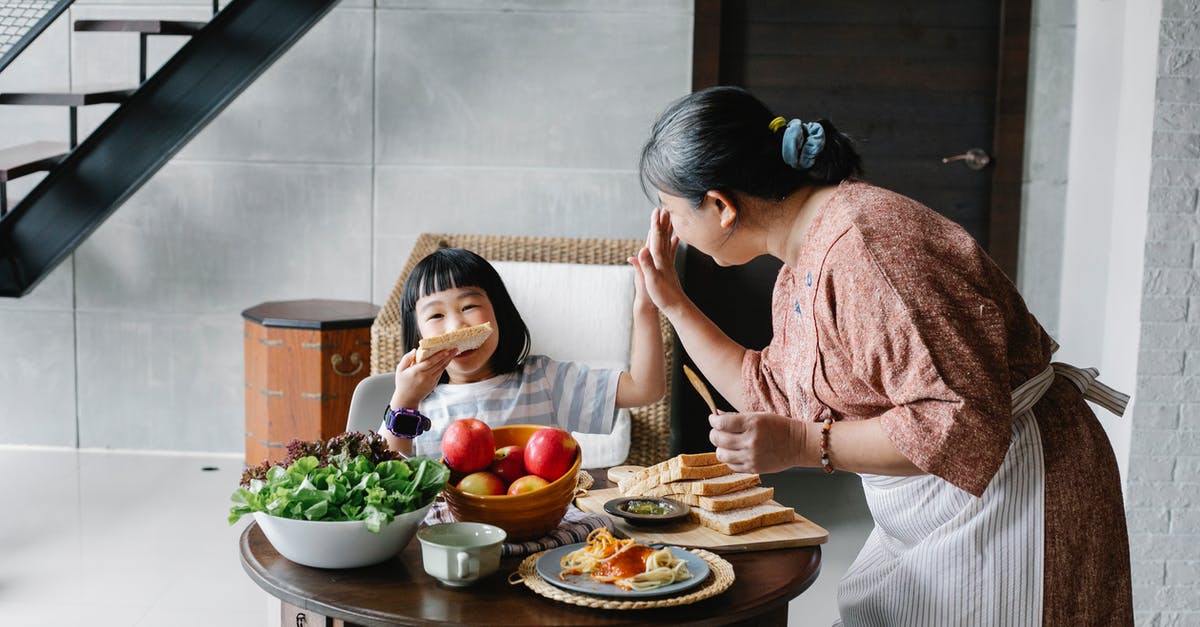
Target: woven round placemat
(720,577)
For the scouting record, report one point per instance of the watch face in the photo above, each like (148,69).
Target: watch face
(405,424)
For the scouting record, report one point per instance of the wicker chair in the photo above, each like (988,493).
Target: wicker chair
(651,425)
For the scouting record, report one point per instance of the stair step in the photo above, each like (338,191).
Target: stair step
(29,158)
(74,98)
(148,27)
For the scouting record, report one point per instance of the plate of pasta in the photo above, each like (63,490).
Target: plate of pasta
(612,567)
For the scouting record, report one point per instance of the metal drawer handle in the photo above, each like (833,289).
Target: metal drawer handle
(357,361)
(317,396)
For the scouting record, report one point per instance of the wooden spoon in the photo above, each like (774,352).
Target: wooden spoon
(701,388)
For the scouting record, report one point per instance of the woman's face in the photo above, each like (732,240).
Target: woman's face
(455,308)
(709,228)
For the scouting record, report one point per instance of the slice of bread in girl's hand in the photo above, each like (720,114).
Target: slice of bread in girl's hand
(735,521)
(465,339)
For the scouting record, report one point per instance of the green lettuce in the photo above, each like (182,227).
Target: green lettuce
(345,488)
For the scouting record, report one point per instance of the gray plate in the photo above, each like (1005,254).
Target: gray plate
(549,565)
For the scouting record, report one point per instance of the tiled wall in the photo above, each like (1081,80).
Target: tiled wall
(1164,469)
(386,120)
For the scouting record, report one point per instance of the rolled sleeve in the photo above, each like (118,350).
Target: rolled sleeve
(940,360)
(761,389)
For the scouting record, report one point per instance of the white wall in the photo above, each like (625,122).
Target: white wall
(388,119)
(1112,117)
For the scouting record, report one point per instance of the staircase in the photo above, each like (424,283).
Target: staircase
(89,179)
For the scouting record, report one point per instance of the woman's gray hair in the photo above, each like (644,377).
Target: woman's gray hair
(721,139)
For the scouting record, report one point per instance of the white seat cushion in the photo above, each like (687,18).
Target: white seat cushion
(574,312)
(584,313)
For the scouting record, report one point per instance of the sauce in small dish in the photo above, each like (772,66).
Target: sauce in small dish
(642,510)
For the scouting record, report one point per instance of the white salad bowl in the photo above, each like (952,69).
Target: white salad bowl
(339,544)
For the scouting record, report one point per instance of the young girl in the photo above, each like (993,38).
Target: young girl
(500,382)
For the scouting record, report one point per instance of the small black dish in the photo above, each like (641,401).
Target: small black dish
(648,510)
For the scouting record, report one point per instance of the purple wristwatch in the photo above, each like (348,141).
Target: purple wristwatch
(406,423)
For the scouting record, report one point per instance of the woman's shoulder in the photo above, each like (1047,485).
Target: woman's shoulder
(890,224)
(866,203)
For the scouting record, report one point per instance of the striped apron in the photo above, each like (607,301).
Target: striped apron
(939,556)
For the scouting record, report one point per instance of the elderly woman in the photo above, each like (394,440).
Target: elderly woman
(901,352)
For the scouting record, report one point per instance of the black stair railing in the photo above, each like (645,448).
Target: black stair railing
(153,124)
(22,22)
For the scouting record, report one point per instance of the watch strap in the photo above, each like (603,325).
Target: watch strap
(423,423)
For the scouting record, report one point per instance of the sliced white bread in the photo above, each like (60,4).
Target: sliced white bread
(737,521)
(668,471)
(700,487)
(464,339)
(698,459)
(726,502)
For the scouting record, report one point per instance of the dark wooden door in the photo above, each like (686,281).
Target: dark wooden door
(911,81)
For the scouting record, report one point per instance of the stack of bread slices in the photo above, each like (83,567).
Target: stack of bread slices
(722,500)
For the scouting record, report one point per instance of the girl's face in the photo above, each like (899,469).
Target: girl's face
(455,308)
(708,228)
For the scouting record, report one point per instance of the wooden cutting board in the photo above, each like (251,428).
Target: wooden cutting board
(801,532)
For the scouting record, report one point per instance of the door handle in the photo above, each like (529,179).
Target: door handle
(975,158)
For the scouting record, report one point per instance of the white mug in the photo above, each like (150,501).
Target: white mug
(461,553)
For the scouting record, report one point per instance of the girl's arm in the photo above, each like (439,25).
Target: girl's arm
(400,445)
(414,381)
(646,380)
(715,354)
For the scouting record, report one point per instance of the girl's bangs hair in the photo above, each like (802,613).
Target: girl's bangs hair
(440,271)
(449,268)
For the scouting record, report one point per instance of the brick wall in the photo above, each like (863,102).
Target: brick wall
(1164,478)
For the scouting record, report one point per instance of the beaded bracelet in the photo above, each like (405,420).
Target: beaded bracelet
(826,427)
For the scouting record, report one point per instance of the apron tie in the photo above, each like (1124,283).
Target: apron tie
(1030,392)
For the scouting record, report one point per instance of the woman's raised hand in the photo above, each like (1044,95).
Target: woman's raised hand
(414,381)
(758,442)
(656,263)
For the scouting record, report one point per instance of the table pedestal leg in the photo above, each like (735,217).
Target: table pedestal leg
(292,616)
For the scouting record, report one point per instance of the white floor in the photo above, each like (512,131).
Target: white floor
(130,539)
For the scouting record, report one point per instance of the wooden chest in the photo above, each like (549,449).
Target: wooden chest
(303,361)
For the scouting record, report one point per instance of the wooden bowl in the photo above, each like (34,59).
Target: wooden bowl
(522,516)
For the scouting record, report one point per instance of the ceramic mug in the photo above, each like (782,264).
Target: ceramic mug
(460,553)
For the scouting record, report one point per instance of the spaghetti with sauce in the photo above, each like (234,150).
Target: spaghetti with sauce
(625,563)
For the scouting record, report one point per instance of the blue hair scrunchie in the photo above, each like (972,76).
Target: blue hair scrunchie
(804,157)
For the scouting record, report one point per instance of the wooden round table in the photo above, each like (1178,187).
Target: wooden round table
(400,592)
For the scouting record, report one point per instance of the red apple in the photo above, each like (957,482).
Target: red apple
(550,452)
(509,463)
(482,483)
(528,483)
(468,445)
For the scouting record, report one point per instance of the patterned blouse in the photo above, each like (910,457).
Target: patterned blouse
(892,311)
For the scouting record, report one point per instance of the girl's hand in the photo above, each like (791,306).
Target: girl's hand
(641,300)
(414,381)
(758,443)
(656,264)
